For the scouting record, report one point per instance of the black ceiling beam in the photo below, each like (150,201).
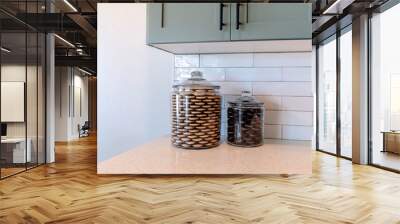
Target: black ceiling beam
(78,61)
(11,25)
(50,22)
(91,5)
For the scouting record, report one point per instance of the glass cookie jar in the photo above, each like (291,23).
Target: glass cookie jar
(245,126)
(196,110)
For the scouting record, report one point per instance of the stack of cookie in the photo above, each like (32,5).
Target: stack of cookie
(196,118)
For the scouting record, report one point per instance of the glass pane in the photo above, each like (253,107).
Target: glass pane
(32,96)
(327,96)
(13,89)
(346,93)
(41,98)
(31,88)
(386,89)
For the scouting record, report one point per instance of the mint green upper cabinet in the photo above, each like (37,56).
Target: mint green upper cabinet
(271,21)
(187,22)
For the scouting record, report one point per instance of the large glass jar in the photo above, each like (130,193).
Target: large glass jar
(196,110)
(245,121)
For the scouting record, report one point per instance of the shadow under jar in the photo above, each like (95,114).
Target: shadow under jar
(196,110)
(245,121)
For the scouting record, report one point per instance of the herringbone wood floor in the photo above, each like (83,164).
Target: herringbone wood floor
(69,191)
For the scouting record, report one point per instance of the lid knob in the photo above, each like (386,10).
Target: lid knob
(246,93)
(196,75)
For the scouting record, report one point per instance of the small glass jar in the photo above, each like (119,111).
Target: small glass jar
(196,111)
(245,121)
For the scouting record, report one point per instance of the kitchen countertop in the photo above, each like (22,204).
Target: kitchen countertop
(160,157)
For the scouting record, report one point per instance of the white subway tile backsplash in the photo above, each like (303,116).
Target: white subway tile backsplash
(289,117)
(273,131)
(272,117)
(297,132)
(233,88)
(211,74)
(296,74)
(253,74)
(282,88)
(281,80)
(282,59)
(298,103)
(271,102)
(226,60)
(186,61)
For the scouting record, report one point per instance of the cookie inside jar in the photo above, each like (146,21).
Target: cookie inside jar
(245,125)
(196,110)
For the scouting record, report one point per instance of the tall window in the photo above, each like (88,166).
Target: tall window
(346,92)
(327,95)
(385,87)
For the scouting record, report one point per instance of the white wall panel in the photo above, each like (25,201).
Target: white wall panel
(296,74)
(289,117)
(271,102)
(297,132)
(12,101)
(273,131)
(282,59)
(134,81)
(226,60)
(187,61)
(282,88)
(253,74)
(298,103)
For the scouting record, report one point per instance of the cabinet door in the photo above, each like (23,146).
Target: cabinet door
(187,22)
(271,21)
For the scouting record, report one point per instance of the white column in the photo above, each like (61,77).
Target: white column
(50,100)
(360,90)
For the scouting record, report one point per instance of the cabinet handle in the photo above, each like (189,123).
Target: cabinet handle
(238,23)
(247,13)
(162,15)
(221,16)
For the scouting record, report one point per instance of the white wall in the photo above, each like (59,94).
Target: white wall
(134,81)
(61,103)
(81,108)
(282,81)
(69,84)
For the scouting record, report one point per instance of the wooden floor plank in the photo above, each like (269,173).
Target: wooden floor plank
(70,191)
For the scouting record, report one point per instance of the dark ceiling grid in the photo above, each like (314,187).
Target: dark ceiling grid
(78,24)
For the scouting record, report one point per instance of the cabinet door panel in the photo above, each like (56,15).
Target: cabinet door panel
(271,21)
(186,22)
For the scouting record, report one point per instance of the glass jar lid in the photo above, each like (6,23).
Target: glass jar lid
(196,81)
(246,101)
